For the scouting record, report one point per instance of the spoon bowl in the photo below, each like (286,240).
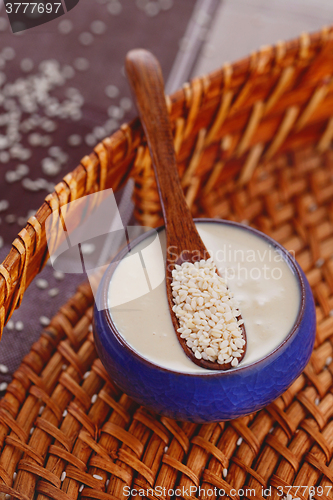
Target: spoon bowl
(209,395)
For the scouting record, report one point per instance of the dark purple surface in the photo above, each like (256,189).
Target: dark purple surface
(130,28)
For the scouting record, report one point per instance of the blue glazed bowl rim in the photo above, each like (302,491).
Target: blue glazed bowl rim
(290,261)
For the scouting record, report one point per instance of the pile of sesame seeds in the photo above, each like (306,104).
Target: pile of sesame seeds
(207,313)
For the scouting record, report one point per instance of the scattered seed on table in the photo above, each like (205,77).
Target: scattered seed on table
(81,488)
(317,401)
(81,64)
(86,375)
(14,475)
(44,321)
(115,112)
(111,125)
(125,103)
(42,283)
(86,38)
(225,472)
(63,476)
(64,413)
(74,140)
(3,386)
(50,166)
(65,26)
(114,8)
(19,326)
(58,275)
(53,292)
(4,156)
(49,125)
(8,53)
(3,368)
(68,71)
(98,27)
(10,218)
(21,221)
(12,176)
(94,398)
(4,204)
(112,91)
(27,65)
(152,9)
(22,169)
(166,449)
(41,409)
(90,140)
(239,441)
(99,132)
(10,324)
(32,430)
(328,360)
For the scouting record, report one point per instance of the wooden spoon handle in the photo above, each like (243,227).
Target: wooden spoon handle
(146,80)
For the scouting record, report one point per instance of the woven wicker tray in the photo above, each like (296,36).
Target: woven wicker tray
(253,144)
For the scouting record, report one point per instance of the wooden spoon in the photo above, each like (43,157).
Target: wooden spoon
(182,238)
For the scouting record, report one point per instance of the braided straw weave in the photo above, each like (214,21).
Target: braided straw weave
(253,144)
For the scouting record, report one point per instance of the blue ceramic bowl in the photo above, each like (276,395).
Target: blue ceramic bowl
(215,395)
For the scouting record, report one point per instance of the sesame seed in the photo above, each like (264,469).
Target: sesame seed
(98,27)
(125,103)
(44,321)
(19,326)
(3,368)
(10,324)
(65,26)
(8,53)
(239,441)
(225,472)
(42,283)
(27,65)
(3,386)
(64,414)
(152,9)
(58,275)
(74,140)
(112,91)
(201,322)
(96,476)
(81,64)
(114,8)
(53,292)
(94,399)
(86,38)
(81,488)
(4,204)
(63,476)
